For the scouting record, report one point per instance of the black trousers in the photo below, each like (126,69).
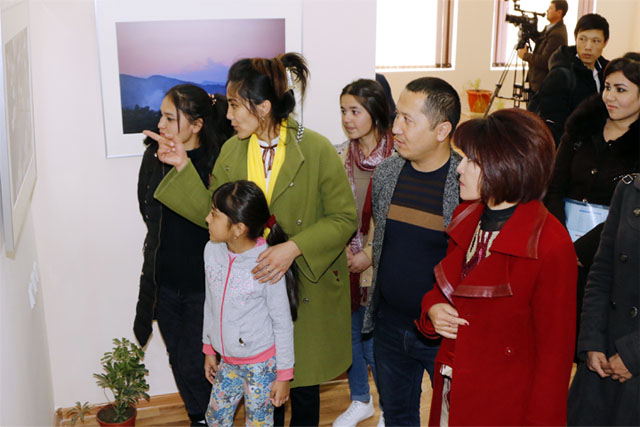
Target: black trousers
(305,407)
(180,322)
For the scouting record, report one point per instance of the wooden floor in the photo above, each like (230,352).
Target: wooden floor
(168,410)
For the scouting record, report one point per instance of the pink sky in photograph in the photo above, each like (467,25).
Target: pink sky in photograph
(191,48)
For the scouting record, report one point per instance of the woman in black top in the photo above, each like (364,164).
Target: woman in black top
(175,296)
(601,144)
(606,386)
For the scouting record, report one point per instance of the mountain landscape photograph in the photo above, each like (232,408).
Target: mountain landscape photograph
(155,56)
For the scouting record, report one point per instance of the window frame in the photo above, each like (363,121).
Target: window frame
(444,41)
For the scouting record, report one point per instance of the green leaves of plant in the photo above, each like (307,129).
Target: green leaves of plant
(124,374)
(78,412)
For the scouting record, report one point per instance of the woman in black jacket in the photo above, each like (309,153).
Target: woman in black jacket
(599,147)
(606,387)
(175,296)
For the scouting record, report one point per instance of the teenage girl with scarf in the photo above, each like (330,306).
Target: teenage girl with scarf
(365,119)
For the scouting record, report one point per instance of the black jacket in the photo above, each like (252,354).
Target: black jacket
(568,83)
(178,262)
(610,321)
(587,168)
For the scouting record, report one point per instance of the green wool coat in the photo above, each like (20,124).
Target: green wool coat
(313,202)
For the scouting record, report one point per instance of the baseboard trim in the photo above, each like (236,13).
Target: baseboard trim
(157,405)
(168,407)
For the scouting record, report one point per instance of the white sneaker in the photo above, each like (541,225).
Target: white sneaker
(356,412)
(381,420)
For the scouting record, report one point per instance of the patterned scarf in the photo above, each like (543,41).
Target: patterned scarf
(355,158)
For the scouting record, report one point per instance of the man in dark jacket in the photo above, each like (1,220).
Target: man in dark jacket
(548,41)
(575,72)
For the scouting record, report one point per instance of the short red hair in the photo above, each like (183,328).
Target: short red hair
(515,152)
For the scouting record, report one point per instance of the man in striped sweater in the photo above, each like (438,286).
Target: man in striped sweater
(414,196)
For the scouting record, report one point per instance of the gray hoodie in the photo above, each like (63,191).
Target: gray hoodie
(245,321)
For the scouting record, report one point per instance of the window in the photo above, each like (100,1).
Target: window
(506,34)
(401,40)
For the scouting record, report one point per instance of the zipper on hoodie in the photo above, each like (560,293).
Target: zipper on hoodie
(224,293)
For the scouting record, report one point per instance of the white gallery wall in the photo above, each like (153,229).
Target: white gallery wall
(623,17)
(88,229)
(26,390)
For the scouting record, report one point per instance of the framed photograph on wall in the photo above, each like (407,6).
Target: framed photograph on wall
(17,143)
(147,47)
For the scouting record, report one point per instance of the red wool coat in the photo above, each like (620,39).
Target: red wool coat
(512,363)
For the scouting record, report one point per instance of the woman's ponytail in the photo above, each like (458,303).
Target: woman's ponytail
(277,236)
(215,131)
(295,64)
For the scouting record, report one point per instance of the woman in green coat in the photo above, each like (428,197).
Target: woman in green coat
(309,194)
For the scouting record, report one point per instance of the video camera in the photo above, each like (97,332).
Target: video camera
(527,22)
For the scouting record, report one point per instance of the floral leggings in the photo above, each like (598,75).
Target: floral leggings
(254,382)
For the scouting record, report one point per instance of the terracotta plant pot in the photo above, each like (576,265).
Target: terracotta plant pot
(106,413)
(478,100)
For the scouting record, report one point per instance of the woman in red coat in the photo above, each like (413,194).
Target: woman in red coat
(504,298)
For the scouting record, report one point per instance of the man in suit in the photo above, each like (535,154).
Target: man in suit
(548,41)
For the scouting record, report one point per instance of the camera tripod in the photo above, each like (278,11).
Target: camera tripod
(520,92)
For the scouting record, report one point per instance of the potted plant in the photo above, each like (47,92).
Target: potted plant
(78,412)
(124,374)
(478,98)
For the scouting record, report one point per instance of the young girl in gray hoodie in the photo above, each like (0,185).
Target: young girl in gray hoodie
(248,325)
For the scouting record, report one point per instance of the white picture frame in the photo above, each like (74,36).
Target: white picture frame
(109,13)
(17,141)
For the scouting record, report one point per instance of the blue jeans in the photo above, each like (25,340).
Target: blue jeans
(361,358)
(402,355)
